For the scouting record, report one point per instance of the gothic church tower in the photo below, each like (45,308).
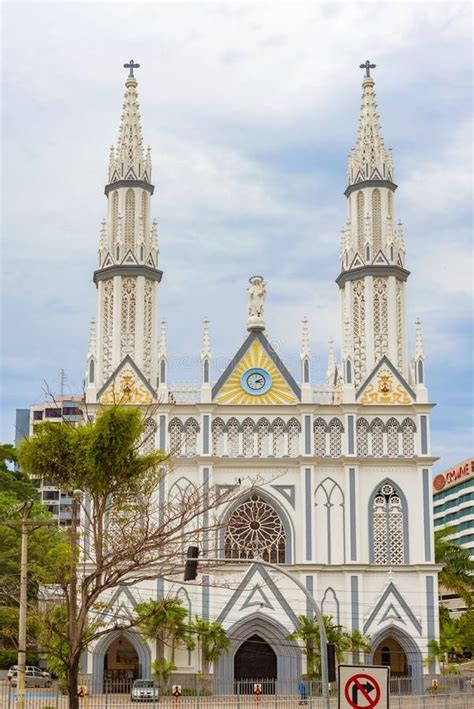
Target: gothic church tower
(372,259)
(128,275)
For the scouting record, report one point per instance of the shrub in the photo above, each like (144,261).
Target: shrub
(10,657)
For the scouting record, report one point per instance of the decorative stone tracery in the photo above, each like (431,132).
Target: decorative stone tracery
(255,531)
(387,526)
(358,330)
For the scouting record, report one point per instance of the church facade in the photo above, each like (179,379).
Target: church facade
(345,500)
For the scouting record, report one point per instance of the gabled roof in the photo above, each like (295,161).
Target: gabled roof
(127,384)
(379,388)
(256,351)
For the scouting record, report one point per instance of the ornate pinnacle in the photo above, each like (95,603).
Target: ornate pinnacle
(154,234)
(305,347)
(419,350)
(162,343)
(206,347)
(103,234)
(331,370)
(347,338)
(92,337)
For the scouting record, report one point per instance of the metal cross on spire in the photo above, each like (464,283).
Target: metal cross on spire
(367,66)
(131,65)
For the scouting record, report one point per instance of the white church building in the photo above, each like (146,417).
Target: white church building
(345,503)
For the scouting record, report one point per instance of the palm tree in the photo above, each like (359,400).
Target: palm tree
(457,574)
(344,641)
(164,621)
(212,641)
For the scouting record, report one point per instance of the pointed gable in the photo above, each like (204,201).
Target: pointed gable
(393,608)
(380,259)
(126,385)
(259,588)
(130,258)
(385,385)
(356,262)
(108,261)
(256,356)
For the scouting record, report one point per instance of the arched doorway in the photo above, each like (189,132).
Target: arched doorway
(121,666)
(255,661)
(105,660)
(391,654)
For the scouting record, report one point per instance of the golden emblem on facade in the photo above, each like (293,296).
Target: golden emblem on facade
(385,392)
(126,389)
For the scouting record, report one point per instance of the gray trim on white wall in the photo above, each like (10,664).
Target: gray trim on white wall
(308,508)
(426,513)
(430,616)
(350,435)
(102,274)
(162,433)
(205,434)
(392,590)
(310,587)
(307,435)
(424,434)
(355,602)
(205,597)
(353,513)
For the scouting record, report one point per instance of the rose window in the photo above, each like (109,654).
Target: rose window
(255,531)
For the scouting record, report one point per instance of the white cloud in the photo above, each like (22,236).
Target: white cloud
(250,109)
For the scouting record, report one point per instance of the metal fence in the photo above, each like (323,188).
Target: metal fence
(452,693)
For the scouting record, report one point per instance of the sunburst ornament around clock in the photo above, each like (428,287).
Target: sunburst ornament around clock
(256,380)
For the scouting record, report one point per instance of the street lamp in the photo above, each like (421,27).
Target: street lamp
(190,573)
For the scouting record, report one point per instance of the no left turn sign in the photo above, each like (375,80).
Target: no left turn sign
(363,687)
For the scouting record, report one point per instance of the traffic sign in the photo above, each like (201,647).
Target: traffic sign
(363,687)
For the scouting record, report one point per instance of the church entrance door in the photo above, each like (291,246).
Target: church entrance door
(255,661)
(121,666)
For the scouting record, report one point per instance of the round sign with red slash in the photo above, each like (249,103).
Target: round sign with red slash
(362,691)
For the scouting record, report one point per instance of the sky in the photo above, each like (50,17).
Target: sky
(250,110)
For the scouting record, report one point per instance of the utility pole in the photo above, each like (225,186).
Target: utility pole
(76,496)
(25,526)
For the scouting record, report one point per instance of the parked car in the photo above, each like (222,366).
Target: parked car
(33,678)
(28,668)
(144,690)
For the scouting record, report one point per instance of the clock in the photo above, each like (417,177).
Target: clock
(256,381)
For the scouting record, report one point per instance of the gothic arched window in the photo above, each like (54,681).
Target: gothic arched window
(148,437)
(263,436)
(392,437)
(362,437)
(376,428)
(175,429)
(319,428)
(218,436)
(387,533)
(233,437)
(335,438)
(191,429)
(408,438)
(91,371)
(115,206)
(248,429)
(255,531)
(294,429)
(278,429)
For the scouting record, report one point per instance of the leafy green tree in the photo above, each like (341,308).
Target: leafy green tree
(130,538)
(457,574)
(44,545)
(466,629)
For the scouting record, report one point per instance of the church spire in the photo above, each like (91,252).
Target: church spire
(128,160)
(372,258)
(127,276)
(369,160)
